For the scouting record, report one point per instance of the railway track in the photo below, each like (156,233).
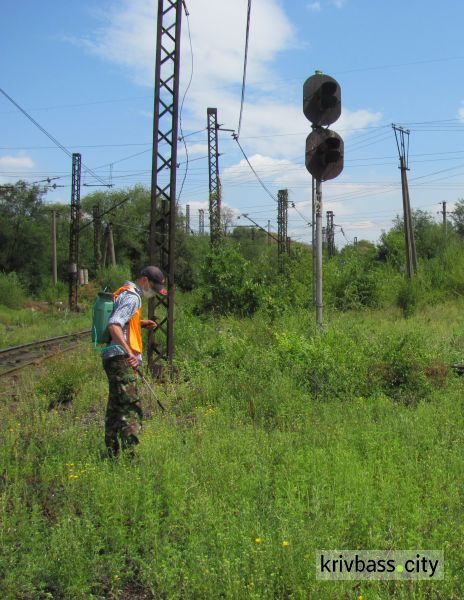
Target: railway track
(17,357)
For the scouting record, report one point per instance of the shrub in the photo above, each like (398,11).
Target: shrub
(408,297)
(12,293)
(228,289)
(113,277)
(62,383)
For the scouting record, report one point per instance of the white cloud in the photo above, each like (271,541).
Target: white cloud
(339,3)
(314,6)
(461,113)
(127,38)
(15,163)
(197,149)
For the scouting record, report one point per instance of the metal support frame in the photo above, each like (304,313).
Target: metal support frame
(201,221)
(163,191)
(74,230)
(214,181)
(282,223)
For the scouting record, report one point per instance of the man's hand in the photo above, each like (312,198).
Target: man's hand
(147,324)
(132,360)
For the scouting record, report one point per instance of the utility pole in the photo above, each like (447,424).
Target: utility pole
(268,232)
(444,213)
(403,151)
(54,262)
(74,230)
(97,256)
(110,241)
(313,235)
(163,193)
(105,247)
(355,242)
(282,223)
(187,219)
(201,221)
(330,234)
(214,182)
(318,216)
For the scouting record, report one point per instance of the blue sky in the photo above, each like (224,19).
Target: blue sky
(84,71)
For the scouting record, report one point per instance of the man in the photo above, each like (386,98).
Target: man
(123,355)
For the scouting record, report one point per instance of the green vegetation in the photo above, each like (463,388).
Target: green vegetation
(277,441)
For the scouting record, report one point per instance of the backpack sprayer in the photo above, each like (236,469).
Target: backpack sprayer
(101,313)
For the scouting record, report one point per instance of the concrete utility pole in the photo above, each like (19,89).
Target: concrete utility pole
(282,224)
(444,213)
(97,256)
(403,151)
(313,236)
(201,221)
(214,182)
(111,245)
(187,219)
(330,234)
(54,262)
(318,215)
(163,193)
(74,230)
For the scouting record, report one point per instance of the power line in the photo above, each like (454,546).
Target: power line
(49,135)
(244,67)
(182,103)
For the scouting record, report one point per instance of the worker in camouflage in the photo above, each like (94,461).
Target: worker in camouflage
(123,356)
(123,418)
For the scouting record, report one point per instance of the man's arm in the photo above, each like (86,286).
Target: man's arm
(117,337)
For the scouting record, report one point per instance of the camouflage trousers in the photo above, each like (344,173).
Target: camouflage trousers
(123,419)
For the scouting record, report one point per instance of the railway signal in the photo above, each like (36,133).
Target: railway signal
(323,156)
(321,100)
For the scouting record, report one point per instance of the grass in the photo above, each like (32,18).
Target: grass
(277,442)
(20,326)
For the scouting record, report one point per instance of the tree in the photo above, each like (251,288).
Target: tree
(24,233)
(458,217)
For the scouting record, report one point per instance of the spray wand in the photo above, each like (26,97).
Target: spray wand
(139,372)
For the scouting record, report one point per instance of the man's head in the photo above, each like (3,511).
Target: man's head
(151,281)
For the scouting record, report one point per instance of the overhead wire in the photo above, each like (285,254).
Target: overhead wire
(50,136)
(245,59)
(182,103)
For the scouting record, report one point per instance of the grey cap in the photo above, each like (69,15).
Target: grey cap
(155,275)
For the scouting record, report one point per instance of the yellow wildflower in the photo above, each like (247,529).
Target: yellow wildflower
(258,540)
(285,543)
(73,476)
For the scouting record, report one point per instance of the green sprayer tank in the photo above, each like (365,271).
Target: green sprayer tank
(102,309)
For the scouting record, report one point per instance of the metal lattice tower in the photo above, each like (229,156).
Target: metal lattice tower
(74,230)
(97,231)
(282,221)
(201,221)
(214,182)
(163,191)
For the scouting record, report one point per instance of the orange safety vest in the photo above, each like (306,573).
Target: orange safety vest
(134,330)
